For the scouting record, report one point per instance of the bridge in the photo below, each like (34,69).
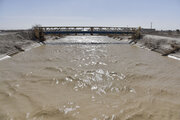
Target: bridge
(66,30)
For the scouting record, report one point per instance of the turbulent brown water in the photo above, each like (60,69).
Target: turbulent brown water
(113,81)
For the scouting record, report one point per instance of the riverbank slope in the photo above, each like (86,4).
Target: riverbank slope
(161,44)
(14,42)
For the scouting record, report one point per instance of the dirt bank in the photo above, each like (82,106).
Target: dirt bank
(14,42)
(161,44)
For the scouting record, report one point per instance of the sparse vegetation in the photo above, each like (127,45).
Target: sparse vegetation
(137,35)
(38,32)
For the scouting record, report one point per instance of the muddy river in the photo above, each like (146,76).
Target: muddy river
(100,79)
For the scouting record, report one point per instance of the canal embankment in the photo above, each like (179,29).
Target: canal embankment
(162,44)
(166,45)
(12,43)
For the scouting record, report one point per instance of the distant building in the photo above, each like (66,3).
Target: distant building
(146,30)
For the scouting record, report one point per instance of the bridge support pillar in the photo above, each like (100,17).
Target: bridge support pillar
(92,29)
(75,30)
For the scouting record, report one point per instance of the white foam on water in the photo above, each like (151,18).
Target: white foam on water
(173,57)
(5,57)
(34,45)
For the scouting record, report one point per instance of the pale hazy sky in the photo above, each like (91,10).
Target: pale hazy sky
(164,14)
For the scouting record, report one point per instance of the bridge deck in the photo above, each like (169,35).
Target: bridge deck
(86,30)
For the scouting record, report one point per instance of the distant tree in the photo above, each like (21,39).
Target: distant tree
(35,26)
(38,32)
(137,35)
(177,31)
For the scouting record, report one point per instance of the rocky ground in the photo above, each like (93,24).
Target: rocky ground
(161,44)
(14,42)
